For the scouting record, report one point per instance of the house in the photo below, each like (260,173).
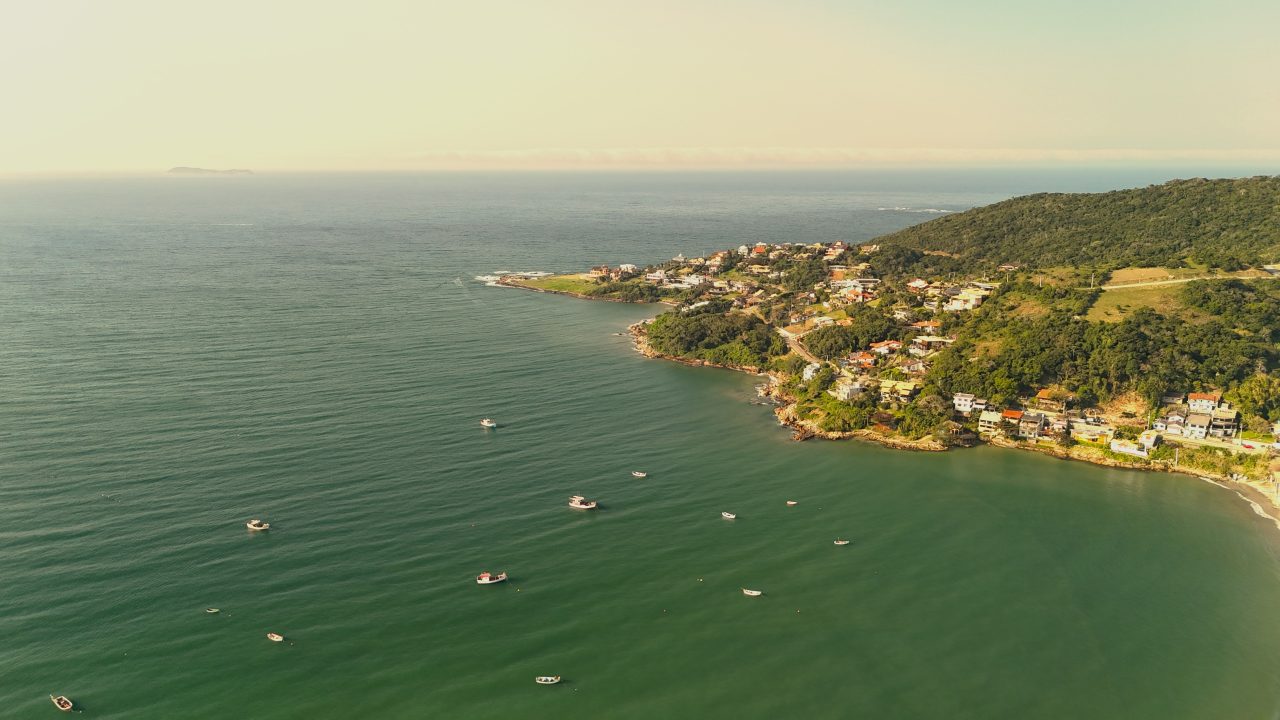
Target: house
(1128,448)
(862,359)
(1203,402)
(1031,425)
(1011,416)
(809,371)
(979,404)
(928,326)
(897,390)
(888,347)
(1008,267)
(1149,439)
(845,389)
(902,314)
(599,271)
(1223,422)
(1051,400)
(916,367)
(759,250)
(868,249)
(923,345)
(917,286)
(989,421)
(963,402)
(1173,399)
(1171,424)
(1089,432)
(1197,426)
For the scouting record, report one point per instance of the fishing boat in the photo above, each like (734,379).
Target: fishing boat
(212,611)
(728,516)
(792,503)
(61,702)
(547,679)
(637,473)
(488,422)
(841,542)
(256,524)
(752,593)
(275,637)
(485,578)
(577,502)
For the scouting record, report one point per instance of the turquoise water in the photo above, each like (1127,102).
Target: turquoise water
(181,355)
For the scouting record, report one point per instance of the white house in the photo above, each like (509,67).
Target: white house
(1128,448)
(1203,402)
(963,402)
(1197,426)
(989,421)
(809,371)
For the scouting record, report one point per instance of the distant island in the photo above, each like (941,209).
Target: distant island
(207,171)
(1135,328)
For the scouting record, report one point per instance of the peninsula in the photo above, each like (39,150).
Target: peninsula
(1135,328)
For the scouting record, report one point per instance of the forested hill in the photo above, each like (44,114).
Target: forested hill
(1220,223)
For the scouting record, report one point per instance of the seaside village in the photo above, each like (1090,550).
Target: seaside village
(893,369)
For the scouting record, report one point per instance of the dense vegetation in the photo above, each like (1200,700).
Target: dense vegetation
(1250,306)
(731,339)
(1220,223)
(868,325)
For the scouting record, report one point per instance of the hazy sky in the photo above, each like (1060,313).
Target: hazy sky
(140,85)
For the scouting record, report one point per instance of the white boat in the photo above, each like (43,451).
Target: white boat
(61,702)
(637,473)
(488,422)
(547,679)
(256,524)
(752,593)
(792,503)
(577,502)
(212,611)
(728,516)
(842,542)
(275,637)
(485,578)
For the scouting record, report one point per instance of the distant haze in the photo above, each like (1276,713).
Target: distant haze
(144,85)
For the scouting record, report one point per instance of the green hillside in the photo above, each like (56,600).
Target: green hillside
(1218,223)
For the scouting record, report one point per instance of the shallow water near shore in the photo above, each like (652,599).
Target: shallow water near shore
(182,355)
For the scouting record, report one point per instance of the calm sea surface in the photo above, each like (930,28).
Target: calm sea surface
(178,355)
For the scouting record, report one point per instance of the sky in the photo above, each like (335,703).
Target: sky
(289,85)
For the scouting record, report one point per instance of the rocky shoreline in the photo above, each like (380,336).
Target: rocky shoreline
(1264,504)
(514,282)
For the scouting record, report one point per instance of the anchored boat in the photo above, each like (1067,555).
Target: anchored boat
(637,473)
(485,578)
(547,679)
(842,542)
(752,593)
(256,524)
(728,516)
(577,502)
(488,422)
(275,637)
(61,702)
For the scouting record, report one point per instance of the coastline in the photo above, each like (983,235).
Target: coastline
(1264,504)
(514,282)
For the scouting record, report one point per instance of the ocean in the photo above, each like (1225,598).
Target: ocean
(179,355)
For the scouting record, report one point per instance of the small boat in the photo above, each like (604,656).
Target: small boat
(485,578)
(489,423)
(728,516)
(577,502)
(256,524)
(752,593)
(841,542)
(62,703)
(212,611)
(637,473)
(792,503)
(275,637)
(547,679)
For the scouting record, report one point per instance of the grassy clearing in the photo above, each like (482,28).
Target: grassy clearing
(1115,305)
(577,283)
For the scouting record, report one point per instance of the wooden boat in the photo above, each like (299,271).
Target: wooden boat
(275,637)
(752,593)
(547,679)
(728,516)
(577,502)
(61,702)
(212,611)
(485,578)
(842,542)
(792,503)
(489,423)
(637,473)
(256,524)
